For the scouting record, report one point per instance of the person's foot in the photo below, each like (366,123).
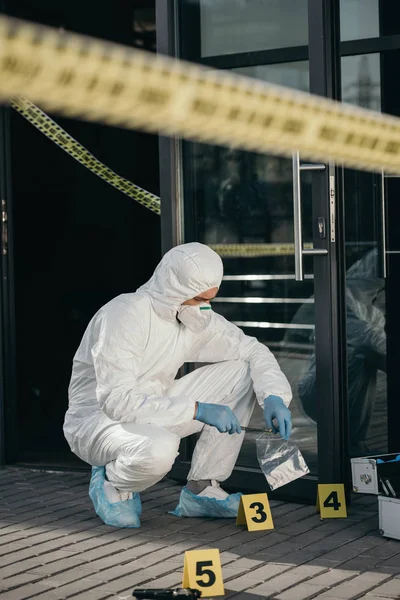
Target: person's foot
(207,488)
(114,495)
(207,499)
(114,507)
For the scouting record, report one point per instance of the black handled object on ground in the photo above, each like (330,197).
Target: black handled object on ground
(166,594)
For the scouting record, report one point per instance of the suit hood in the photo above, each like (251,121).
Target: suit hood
(184,272)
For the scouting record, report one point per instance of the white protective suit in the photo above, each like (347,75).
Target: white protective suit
(126,409)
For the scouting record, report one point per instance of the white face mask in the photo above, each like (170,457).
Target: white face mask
(196,318)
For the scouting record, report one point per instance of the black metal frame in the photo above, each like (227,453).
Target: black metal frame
(169,148)
(298,53)
(329,275)
(8,380)
(3,267)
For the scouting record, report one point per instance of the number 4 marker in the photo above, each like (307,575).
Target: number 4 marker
(331,501)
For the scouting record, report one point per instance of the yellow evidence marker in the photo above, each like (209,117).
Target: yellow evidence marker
(202,571)
(331,501)
(255,512)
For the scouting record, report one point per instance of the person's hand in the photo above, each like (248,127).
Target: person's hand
(218,416)
(275,408)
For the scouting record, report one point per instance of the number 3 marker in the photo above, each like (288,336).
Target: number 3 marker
(255,512)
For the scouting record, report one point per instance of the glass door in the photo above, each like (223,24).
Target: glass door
(370,52)
(244,206)
(270,220)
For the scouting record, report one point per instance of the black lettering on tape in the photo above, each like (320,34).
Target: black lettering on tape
(369,142)
(92,83)
(293,126)
(233,113)
(204,107)
(17,66)
(117,89)
(154,96)
(392,147)
(66,77)
(328,134)
(267,121)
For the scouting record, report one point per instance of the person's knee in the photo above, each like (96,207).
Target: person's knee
(163,452)
(155,455)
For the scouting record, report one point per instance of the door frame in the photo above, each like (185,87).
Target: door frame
(329,275)
(8,379)
(329,271)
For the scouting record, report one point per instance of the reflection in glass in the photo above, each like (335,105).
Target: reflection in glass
(233,26)
(294,75)
(243,197)
(366,355)
(366,347)
(361,80)
(365,286)
(359,19)
(366,316)
(240,198)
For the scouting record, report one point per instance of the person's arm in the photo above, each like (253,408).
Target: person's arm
(117,350)
(224,341)
(367,341)
(366,333)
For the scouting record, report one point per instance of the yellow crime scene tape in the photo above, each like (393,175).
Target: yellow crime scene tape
(255,250)
(104,82)
(59,136)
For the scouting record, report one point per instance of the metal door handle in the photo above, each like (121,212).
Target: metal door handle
(299,251)
(4,229)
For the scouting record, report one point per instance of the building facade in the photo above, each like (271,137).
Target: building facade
(311,251)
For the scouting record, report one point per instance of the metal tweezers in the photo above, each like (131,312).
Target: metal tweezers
(256,430)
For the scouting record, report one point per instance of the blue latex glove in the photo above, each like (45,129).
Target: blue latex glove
(218,416)
(275,408)
(379,461)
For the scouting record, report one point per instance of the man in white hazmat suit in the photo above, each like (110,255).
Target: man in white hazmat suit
(127,412)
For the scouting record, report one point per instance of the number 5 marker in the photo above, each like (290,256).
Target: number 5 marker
(202,571)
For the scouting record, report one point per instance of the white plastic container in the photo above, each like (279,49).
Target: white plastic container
(370,477)
(389,518)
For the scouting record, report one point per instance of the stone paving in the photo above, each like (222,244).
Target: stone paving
(53,546)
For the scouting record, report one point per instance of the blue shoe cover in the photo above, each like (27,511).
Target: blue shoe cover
(117,514)
(191,505)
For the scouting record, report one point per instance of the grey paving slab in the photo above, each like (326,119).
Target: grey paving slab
(373,597)
(303,591)
(333,577)
(390,589)
(22,592)
(53,546)
(287,580)
(96,594)
(354,588)
(392,562)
